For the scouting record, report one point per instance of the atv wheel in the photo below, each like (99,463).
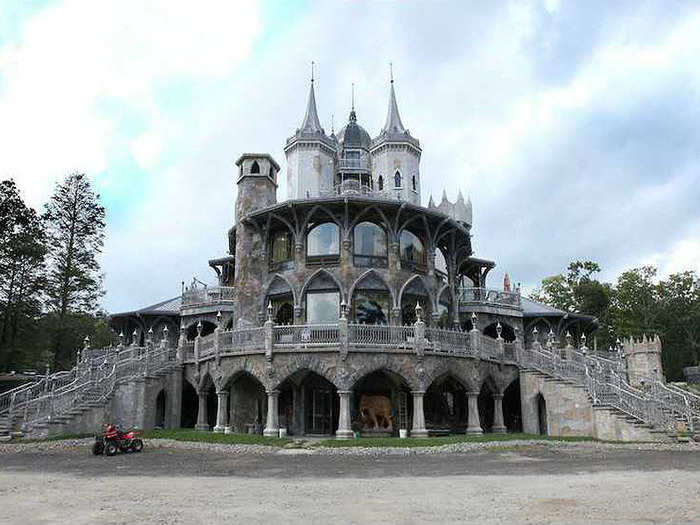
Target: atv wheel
(137,445)
(111,448)
(97,448)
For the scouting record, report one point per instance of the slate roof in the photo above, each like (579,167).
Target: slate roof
(535,309)
(167,307)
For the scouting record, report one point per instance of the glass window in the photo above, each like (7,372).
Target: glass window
(370,239)
(397,179)
(323,239)
(281,246)
(371,307)
(411,248)
(440,262)
(322,307)
(381,183)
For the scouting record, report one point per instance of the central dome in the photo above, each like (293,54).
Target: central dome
(352,135)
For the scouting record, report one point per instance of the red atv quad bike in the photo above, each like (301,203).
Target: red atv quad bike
(114,440)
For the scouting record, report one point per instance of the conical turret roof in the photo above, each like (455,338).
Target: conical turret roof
(311,123)
(394,130)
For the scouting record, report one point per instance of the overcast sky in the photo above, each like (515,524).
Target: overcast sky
(573,126)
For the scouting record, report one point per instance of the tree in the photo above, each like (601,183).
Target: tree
(22,253)
(75,227)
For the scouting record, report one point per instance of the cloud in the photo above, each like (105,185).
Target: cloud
(572,125)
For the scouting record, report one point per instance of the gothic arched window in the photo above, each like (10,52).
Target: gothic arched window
(370,245)
(380,183)
(282,245)
(255,168)
(411,248)
(323,243)
(397,180)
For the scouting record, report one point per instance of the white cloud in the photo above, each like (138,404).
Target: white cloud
(147,148)
(77,57)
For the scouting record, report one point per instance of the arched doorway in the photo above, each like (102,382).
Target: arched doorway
(189,406)
(507,332)
(485,403)
(414,293)
(161,402)
(541,415)
(382,404)
(280,296)
(207,328)
(371,301)
(512,413)
(247,404)
(445,406)
(308,405)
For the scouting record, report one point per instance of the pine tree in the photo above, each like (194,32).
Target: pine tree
(75,225)
(22,253)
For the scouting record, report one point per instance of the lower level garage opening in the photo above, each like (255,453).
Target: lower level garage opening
(445,407)
(512,413)
(381,405)
(308,405)
(248,405)
(189,406)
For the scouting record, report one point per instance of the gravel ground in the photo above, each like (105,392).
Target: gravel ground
(496,482)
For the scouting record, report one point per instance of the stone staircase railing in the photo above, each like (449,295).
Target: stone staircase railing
(605,380)
(90,383)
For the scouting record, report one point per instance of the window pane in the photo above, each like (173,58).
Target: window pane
(281,247)
(411,248)
(322,307)
(370,239)
(371,307)
(323,240)
(440,262)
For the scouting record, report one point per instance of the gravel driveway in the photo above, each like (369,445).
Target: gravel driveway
(489,483)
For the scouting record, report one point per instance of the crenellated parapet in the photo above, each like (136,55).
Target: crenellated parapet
(643,356)
(460,210)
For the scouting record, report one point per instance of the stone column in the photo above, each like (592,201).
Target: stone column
(202,424)
(344,431)
(272,426)
(221,413)
(498,425)
(418,429)
(473,424)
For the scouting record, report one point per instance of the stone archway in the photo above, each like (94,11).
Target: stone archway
(512,411)
(541,415)
(189,406)
(161,405)
(247,404)
(381,404)
(308,404)
(445,406)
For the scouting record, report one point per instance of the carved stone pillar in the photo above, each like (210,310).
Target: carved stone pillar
(418,429)
(473,423)
(498,425)
(221,412)
(272,426)
(344,431)
(202,424)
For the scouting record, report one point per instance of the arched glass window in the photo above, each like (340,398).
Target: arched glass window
(397,180)
(414,183)
(440,262)
(370,245)
(380,183)
(323,240)
(255,168)
(281,249)
(411,248)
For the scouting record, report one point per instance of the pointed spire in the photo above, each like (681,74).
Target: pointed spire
(393,119)
(431,202)
(311,124)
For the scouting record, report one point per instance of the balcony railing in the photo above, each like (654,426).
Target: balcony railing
(488,296)
(353,164)
(210,295)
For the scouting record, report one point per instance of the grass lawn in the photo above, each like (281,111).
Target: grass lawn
(185,434)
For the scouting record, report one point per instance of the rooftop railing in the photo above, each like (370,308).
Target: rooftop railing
(488,296)
(208,295)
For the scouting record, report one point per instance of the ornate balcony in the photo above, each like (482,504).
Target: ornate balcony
(207,295)
(353,164)
(472,296)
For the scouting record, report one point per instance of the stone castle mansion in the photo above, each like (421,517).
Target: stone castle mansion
(350,310)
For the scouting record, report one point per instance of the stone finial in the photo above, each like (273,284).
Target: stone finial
(269,310)
(499,330)
(568,338)
(86,342)
(199,328)
(534,333)
(121,338)
(218,318)
(343,309)
(419,312)
(506,282)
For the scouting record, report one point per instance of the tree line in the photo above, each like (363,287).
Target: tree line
(636,303)
(50,280)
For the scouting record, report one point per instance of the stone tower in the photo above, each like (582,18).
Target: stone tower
(257,189)
(310,156)
(643,358)
(396,157)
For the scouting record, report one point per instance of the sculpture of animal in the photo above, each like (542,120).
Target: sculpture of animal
(376,411)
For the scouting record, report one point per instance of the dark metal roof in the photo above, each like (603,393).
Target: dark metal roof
(167,307)
(536,309)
